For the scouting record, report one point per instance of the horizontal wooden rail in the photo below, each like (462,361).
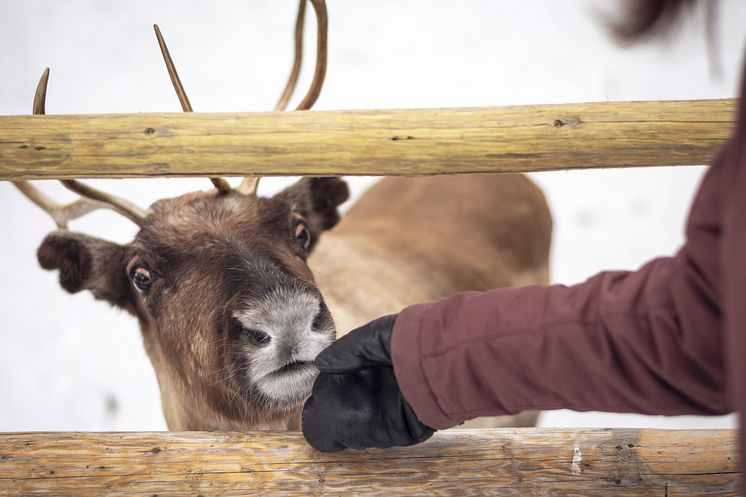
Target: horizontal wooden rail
(382,142)
(457,462)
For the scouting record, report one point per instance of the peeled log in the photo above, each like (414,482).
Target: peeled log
(509,462)
(373,142)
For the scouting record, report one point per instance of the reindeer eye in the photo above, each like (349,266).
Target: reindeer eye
(141,279)
(302,235)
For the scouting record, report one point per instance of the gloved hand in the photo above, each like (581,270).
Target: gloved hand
(356,402)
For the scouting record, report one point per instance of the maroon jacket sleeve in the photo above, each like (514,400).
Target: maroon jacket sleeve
(648,341)
(733,254)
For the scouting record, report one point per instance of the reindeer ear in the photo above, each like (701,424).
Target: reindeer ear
(87,263)
(317,200)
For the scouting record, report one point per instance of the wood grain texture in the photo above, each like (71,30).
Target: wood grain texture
(383,142)
(506,462)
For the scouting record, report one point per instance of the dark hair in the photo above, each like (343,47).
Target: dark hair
(642,19)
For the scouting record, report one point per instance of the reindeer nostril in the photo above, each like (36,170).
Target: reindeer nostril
(319,322)
(257,337)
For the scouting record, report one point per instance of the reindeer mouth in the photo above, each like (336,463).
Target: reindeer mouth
(293,367)
(288,385)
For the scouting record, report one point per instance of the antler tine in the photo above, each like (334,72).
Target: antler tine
(61,213)
(221,184)
(322,21)
(250,183)
(175,80)
(123,206)
(93,199)
(282,103)
(40,95)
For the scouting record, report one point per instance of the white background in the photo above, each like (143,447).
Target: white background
(70,363)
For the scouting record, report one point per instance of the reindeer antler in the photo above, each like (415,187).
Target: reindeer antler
(249,184)
(91,199)
(282,103)
(220,183)
(322,24)
(320,72)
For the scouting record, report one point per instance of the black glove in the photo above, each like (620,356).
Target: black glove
(356,402)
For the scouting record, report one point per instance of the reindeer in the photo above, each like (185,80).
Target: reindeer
(236,293)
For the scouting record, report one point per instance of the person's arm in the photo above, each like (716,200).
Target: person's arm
(646,341)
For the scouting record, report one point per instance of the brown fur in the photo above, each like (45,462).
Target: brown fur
(446,234)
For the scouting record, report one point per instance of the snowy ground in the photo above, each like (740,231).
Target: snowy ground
(68,362)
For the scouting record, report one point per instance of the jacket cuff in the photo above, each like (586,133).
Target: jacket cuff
(406,354)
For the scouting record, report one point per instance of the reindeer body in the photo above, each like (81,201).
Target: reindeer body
(412,240)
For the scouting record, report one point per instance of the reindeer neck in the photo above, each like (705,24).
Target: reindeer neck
(361,280)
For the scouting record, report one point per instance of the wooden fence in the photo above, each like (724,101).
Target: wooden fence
(397,142)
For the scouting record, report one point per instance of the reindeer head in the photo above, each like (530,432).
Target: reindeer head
(228,308)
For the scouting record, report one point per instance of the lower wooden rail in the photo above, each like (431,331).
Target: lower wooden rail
(506,462)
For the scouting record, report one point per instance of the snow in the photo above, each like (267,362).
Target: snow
(70,363)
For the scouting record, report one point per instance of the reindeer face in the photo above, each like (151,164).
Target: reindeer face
(230,314)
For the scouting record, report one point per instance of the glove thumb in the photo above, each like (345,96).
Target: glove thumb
(364,347)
